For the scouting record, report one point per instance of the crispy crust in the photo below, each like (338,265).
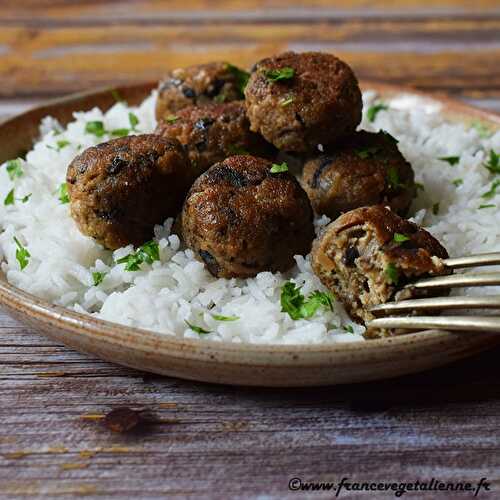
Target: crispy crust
(214,132)
(120,189)
(241,219)
(360,173)
(326,103)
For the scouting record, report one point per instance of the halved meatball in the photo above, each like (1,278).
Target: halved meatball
(199,85)
(367,169)
(297,101)
(120,189)
(214,132)
(242,219)
(367,255)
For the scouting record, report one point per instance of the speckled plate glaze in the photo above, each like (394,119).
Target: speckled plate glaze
(272,366)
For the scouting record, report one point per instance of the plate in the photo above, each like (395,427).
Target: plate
(227,363)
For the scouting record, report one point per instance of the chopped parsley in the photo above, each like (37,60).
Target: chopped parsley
(392,274)
(96,128)
(22,254)
(149,252)
(364,153)
(219,317)
(63,195)
(490,205)
(393,178)
(374,110)
(435,208)
(9,199)
(457,182)
(25,199)
(221,98)
(348,328)
(286,102)
(400,238)
(120,132)
(276,169)
(298,307)
(197,329)
(116,96)
(277,75)
(15,168)
(171,118)
(493,163)
(451,160)
(234,149)
(419,186)
(241,77)
(133,120)
(97,278)
(493,190)
(483,131)
(59,145)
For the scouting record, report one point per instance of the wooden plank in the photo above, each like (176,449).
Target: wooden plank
(437,56)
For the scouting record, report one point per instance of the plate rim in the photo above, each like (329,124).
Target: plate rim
(33,309)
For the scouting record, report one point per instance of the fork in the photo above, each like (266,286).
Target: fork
(384,312)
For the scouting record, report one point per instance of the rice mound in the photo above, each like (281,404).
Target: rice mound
(176,289)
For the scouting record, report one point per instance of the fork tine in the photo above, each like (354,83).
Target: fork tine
(456,280)
(459,323)
(437,303)
(482,259)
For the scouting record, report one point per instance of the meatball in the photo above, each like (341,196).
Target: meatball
(242,219)
(120,189)
(367,169)
(199,85)
(297,101)
(212,133)
(367,255)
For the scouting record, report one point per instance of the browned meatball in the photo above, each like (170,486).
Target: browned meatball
(120,189)
(214,132)
(199,85)
(367,169)
(242,219)
(297,101)
(367,255)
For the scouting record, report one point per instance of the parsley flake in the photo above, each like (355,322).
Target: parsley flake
(280,74)
(116,96)
(451,160)
(15,168)
(364,153)
(219,317)
(97,278)
(482,130)
(63,195)
(96,128)
(419,186)
(149,252)
(197,329)
(348,328)
(171,118)
(9,199)
(392,274)
(400,238)
(435,208)
(493,163)
(393,178)
(241,77)
(133,120)
(234,149)
(374,110)
(22,254)
(277,169)
(457,182)
(493,190)
(286,102)
(297,306)
(25,199)
(490,205)
(120,132)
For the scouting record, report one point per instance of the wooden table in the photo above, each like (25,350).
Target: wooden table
(206,441)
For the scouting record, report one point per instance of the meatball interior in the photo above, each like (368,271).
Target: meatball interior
(367,169)
(214,132)
(367,255)
(199,85)
(316,100)
(120,189)
(241,219)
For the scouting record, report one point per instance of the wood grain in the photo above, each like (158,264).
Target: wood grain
(210,441)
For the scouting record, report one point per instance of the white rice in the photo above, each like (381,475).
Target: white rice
(176,289)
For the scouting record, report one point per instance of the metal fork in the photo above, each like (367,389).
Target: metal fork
(383,312)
